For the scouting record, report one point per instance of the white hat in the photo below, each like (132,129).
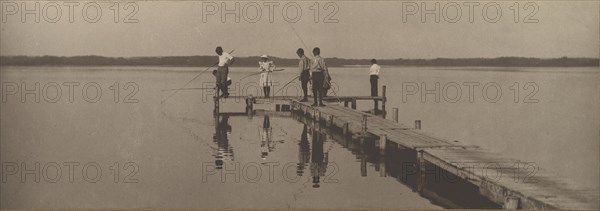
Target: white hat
(264,56)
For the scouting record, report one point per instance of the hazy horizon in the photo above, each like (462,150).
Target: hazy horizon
(374,30)
(278,57)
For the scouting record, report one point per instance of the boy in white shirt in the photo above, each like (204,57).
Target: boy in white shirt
(374,76)
(223,70)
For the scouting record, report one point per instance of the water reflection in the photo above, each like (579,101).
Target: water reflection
(224,151)
(391,160)
(303,152)
(266,138)
(318,164)
(312,162)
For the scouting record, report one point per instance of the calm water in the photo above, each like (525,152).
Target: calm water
(170,154)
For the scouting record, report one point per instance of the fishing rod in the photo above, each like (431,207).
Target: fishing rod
(305,46)
(253,74)
(190,81)
(288,83)
(296,33)
(194,88)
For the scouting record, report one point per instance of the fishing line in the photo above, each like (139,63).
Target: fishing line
(253,74)
(285,85)
(191,88)
(305,46)
(190,81)
(297,35)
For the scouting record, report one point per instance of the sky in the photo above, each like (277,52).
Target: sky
(345,29)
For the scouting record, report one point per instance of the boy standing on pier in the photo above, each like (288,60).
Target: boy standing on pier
(304,66)
(228,82)
(319,71)
(374,76)
(223,70)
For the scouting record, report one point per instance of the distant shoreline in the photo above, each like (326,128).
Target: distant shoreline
(206,61)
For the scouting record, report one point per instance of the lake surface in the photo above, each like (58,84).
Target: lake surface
(127,149)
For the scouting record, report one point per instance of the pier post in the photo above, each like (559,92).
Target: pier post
(248,102)
(382,171)
(315,120)
(249,113)
(216,109)
(383,101)
(364,125)
(382,143)
(375,106)
(422,180)
(320,117)
(395,114)
(418,124)
(511,203)
(346,103)
(345,130)
(363,165)
(216,99)
(354,104)
(330,121)
(250,106)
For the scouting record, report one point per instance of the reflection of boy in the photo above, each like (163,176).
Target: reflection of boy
(318,165)
(224,150)
(227,83)
(303,152)
(265,144)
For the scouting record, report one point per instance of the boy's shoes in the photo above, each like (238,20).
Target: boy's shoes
(224,95)
(321,105)
(304,100)
(314,104)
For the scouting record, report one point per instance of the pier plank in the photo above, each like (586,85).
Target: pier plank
(500,177)
(398,133)
(348,98)
(383,123)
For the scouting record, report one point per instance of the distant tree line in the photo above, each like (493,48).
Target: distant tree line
(203,61)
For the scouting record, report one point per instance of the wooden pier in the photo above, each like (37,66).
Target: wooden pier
(510,183)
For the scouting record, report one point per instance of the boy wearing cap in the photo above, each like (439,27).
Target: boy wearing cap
(319,73)
(304,66)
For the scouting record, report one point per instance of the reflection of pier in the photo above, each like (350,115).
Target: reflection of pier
(224,150)
(399,163)
(438,168)
(282,103)
(266,138)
